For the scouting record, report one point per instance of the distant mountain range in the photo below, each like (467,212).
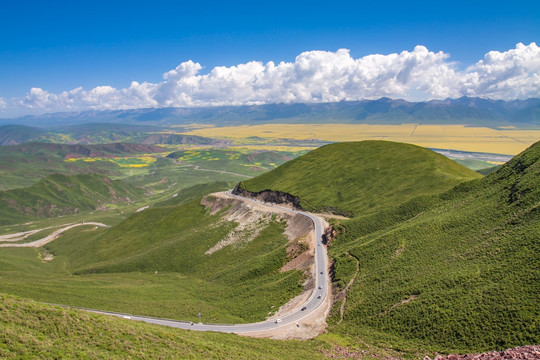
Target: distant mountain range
(465,110)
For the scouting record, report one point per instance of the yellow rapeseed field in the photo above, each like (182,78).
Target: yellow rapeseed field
(129,162)
(452,137)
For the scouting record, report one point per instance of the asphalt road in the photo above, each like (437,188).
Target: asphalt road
(316,299)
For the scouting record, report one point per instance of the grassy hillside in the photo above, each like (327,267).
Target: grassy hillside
(174,139)
(30,330)
(154,263)
(360,177)
(16,134)
(448,272)
(24,164)
(61,194)
(249,163)
(196,192)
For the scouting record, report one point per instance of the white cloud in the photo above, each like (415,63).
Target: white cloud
(315,76)
(3,104)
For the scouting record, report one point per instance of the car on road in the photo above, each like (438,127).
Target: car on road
(278,321)
(320,287)
(304,308)
(318,297)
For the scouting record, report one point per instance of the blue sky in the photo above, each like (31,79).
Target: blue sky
(61,45)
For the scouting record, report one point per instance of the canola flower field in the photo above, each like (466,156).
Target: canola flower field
(507,140)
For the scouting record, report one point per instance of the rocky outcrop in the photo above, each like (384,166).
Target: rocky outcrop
(270,196)
(329,235)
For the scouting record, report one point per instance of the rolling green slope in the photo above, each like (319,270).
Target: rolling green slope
(30,330)
(360,177)
(233,161)
(154,263)
(450,272)
(16,134)
(24,164)
(59,194)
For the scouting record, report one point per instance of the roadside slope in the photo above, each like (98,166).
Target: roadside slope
(29,329)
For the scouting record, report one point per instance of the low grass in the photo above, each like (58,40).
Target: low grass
(196,192)
(451,272)
(240,161)
(153,263)
(61,194)
(30,330)
(360,177)
(23,165)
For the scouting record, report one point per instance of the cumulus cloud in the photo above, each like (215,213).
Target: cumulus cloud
(315,76)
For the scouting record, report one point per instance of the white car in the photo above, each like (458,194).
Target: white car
(278,321)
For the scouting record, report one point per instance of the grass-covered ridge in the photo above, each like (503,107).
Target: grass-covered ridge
(360,177)
(448,272)
(59,194)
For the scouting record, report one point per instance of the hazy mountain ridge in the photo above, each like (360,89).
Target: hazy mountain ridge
(475,111)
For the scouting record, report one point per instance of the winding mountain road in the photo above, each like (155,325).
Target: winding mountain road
(313,306)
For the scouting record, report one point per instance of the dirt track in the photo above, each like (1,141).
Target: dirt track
(47,239)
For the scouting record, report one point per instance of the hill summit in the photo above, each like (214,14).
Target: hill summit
(361,177)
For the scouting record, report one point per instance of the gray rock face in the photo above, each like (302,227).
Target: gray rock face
(270,196)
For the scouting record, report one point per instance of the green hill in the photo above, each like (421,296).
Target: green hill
(455,271)
(24,164)
(359,177)
(59,194)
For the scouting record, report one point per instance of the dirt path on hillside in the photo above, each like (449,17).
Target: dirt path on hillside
(346,289)
(47,239)
(24,234)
